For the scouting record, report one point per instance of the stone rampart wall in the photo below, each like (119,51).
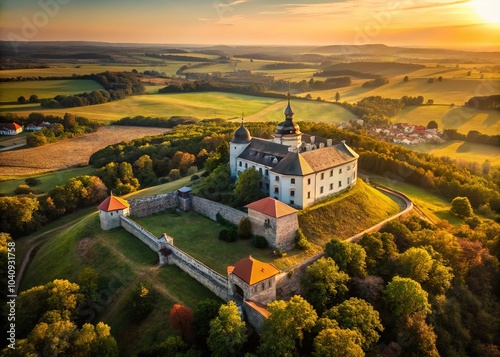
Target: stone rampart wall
(138,231)
(210,209)
(209,278)
(142,207)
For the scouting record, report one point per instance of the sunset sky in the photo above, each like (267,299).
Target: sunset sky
(446,23)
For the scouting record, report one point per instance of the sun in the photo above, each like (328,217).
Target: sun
(489,10)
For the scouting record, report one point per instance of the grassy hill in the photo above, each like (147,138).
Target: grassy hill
(347,214)
(122,262)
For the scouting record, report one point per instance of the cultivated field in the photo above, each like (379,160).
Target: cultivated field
(67,153)
(10,91)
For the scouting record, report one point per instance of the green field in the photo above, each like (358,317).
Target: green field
(463,151)
(460,118)
(204,105)
(10,91)
(47,180)
(434,207)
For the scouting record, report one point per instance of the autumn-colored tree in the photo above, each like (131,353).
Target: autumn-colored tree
(182,161)
(181,319)
(337,342)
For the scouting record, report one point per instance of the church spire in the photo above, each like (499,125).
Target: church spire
(289,110)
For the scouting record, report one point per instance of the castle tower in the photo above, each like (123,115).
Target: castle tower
(240,141)
(110,211)
(287,132)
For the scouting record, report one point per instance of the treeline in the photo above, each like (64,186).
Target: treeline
(409,100)
(484,102)
(439,175)
(117,85)
(177,57)
(375,110)
(345,72)
(286,65)
(473,136)
(171,122)
(377,82)
(21,215)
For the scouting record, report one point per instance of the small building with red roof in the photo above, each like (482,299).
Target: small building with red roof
(251,279)
(274,220)
(10,128)
(110,211)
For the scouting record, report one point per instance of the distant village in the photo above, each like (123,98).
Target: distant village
(400,133)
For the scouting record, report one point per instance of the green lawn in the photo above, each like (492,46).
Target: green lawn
(198,236)
(163,188)
(10,91)
(47,180)
(462,151)
(435,207)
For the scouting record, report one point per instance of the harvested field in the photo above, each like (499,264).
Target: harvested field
(68,153)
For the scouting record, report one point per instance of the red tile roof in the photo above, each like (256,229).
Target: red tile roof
(252,271)
(271,207)
(11,126)
(113,203)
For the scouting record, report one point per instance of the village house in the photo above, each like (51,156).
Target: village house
(10,129)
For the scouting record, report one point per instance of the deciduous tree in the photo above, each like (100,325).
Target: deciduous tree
(337,342)
(406,297)
(227,332)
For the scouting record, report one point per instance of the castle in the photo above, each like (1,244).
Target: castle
(296,168)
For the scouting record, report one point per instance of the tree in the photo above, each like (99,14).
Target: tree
(217,157)
(34,98)
(141,301)
(87,280)
(349,257)
(432,125)
(337,97)
(417,337)
(286,326)
(324,283)
(21,100)
(415,264)
(69,122)
(380,252)
(440,78)
(337,342)
(205,311)
(247,188)
(145,173)
(461,207)
(406,297)
(181,319)
(358,315)
(18,215)
(245,228)
(406,79)
(227,332)
(430,101)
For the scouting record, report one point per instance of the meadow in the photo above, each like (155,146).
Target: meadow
(10,91)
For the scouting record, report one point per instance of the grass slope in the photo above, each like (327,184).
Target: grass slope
(347,214)
(122,261)
(10,91)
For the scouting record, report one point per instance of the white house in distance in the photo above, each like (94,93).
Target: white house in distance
(297,169)
(10,128)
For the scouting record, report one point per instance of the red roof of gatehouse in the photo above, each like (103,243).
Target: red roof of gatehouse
(113,203)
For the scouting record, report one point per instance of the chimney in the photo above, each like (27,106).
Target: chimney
(313,139)
(329,142)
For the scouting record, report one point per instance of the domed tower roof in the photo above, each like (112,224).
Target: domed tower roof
(288,126)
(241,135)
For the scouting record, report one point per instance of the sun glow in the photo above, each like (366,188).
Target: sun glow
(489,10)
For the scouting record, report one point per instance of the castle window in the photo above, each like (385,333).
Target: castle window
(340,183)
(322,175)
(267,221)
(267,172)
(292,181)
(331,173)
(241,164)
(353,165)
(348,180)
(267,186)
(308,181)
(292,202)
(277,178)
(292,193)
(321,189)
(111,213)
(260,170)
(276,190)
(331,186)
(260,184)
(348,167)
(340,171)
(309,194)
(246,165)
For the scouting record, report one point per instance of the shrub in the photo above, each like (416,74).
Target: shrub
(260,242)
(301,240)
(223,234)
(473,222)
(22,190)
(32,181)
(245,228)
(461,207)
(195,177)
(232,235)
(141,301)
(191,170)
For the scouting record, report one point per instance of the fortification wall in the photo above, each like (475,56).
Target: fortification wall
(212,280)
(210,209)
(138,231)
(142,207)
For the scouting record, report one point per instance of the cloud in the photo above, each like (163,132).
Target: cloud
(231,3)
